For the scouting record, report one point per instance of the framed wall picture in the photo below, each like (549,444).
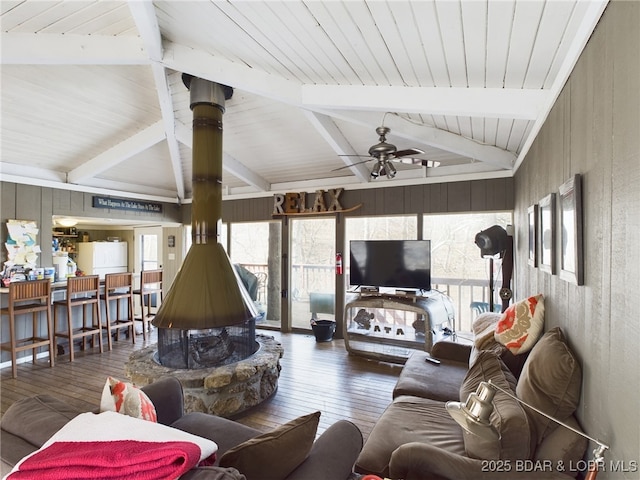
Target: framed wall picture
(532,216)
(570,201)
(546,233)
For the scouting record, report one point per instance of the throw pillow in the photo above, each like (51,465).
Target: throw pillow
(521,325)
(508,415)
(274,455)
(125,398)
(551,380)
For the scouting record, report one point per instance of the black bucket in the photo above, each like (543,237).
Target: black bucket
(323,330)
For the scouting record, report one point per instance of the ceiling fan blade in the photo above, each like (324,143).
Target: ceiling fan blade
(417,161)
(408,151)
(353,164)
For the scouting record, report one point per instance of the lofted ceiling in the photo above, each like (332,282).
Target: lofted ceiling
(93,99)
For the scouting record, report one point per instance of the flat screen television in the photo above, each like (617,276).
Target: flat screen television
(390,263)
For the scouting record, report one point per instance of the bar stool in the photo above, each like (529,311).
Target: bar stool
(85,292)
(28,297)
(150,284)
(118,286)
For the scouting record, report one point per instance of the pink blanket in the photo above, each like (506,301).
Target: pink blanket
(114,446)
(123,459)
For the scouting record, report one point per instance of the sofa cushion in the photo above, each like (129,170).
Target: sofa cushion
(274,455)
(428,380)
(225,432)
(550,381)
(521,325)
(408,419)
(508,415)
(36,419)
(123,397)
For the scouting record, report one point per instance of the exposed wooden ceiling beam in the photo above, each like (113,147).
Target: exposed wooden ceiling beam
(144,15)
(118,153)
(467,102)
(229,163)
(426,135)
(71,49)
(334,137)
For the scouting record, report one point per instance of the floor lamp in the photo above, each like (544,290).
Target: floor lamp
(496,241)
(473,416)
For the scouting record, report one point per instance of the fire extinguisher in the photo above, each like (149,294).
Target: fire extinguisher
(338,264)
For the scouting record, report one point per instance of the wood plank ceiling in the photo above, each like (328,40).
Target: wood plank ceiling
(92,96)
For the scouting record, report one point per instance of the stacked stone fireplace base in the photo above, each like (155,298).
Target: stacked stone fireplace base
(225,390)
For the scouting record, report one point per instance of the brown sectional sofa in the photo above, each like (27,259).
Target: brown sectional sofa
(30,422)
(416,438)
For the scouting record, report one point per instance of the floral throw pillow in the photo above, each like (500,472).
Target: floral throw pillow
(125,398)
(521,325)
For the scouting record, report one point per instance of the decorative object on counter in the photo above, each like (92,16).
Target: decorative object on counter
(21,245)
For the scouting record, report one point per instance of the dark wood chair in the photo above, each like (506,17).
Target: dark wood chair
(150,285)
(118,287)
(81,292)
(28,297)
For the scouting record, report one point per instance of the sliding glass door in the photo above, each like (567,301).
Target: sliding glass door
(256,250)
(312,276)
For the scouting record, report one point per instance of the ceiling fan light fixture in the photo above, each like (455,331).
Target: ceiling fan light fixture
(390,170)
(378,169)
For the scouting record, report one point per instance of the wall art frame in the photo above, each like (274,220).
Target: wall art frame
(570,234)
(532,217)
(547,234)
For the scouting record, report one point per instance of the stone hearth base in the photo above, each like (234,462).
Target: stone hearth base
(224,391)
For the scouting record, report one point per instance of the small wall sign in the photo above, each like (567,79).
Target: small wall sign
(295,203)
(131,205)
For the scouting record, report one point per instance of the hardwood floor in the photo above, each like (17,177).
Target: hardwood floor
(314,376)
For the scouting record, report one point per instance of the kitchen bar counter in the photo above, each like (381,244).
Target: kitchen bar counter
(58,292)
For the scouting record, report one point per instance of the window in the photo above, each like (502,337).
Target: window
(457,268)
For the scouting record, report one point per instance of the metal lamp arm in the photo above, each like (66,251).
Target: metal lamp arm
(537,410)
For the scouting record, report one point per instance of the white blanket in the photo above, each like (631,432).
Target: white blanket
(111,445)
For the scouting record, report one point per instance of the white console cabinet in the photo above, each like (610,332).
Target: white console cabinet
(389,327)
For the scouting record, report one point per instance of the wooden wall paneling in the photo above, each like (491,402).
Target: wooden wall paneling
(61,201)
(393,201)
(414,199)
(459,197)
(46,226)
(480,192)
(78,202)
(499,195)
(171,265)
(435,198)
(377,201)
(593,130)
(8,211)
(625,226)
(28,203)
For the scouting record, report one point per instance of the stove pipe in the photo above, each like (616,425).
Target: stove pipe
(207,292)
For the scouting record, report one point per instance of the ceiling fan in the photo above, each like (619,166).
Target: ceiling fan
(385,153)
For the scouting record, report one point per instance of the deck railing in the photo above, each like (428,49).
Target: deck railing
(321,278)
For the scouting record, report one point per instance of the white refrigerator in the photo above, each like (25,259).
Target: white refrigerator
(100,258)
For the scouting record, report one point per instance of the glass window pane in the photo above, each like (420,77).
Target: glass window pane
(256,251)
(313,280)
(378,228)
(149,252)
(456,265)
